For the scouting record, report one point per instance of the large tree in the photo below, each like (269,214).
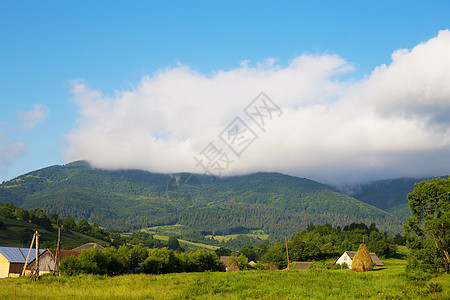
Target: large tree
(429,203)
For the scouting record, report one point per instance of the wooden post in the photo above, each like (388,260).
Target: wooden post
(28,256)
(287,254)
(37,255)
(58,248)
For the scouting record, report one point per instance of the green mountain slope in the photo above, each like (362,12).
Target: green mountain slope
(389,195)
(17,233)
(132,199)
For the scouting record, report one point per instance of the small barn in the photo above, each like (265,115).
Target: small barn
(47,260)
(12,260)
(347,258)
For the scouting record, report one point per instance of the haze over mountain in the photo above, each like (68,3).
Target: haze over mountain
(133,199)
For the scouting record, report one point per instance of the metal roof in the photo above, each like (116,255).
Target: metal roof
(18,255)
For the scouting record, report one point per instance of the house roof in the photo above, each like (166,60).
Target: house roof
(18,255)
(273,267)
(302,265)
(224,259)
(63,253)
(374,257)
(88,246)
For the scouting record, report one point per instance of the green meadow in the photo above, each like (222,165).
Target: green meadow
(389,282)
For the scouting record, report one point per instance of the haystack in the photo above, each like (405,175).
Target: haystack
(234,266)
(362,261)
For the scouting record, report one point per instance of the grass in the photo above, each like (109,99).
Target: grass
(177,230)
(187,244)
(15,233)
(163,235)
(254,233)
(385,283)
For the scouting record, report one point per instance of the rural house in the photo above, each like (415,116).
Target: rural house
(12,260)
(347,258)
(47,260)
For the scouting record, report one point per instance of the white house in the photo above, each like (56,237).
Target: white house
(347,258)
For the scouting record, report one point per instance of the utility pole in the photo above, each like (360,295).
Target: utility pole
(58,247)
(35,276)
(287,254)
(28,256)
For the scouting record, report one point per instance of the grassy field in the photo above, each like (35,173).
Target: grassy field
(254,233)
(16,233)
(384,283)
(163,235)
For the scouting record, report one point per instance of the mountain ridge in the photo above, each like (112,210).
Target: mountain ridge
(133,199)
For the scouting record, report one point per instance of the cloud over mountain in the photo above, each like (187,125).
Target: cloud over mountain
(394,122)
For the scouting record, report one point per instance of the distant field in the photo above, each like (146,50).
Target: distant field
(384,283)
(163,232)
(177,230)
(254,233)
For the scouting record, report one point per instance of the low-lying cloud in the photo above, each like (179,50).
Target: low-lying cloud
(395,122)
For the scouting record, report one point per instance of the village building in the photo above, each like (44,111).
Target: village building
(48,262)
(348,256)
(12,260)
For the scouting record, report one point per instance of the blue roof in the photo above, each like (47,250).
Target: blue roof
(18,255)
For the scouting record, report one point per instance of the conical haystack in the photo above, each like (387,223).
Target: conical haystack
(234,266)
(362,261)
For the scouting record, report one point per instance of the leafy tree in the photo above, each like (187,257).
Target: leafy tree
(54,218)
(7,210)
(70,266)
(161,261)
(204,260)
(69,223)
(83,226)
(429,203)
(223,252)
(249,252)
(173,243)
(22,214)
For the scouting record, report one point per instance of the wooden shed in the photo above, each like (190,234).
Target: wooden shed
(12,260)
(47,260)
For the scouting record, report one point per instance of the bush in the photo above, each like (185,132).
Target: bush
(70,266)
(161,261)
(261,267)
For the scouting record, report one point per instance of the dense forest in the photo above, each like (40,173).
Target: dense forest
(129,200)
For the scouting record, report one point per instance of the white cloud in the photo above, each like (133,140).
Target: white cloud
(395,122)
(10,151)
(31,118)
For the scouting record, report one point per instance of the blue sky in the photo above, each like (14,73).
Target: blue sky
(111,46)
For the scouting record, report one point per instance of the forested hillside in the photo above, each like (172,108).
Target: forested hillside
(132,199)
(389,195)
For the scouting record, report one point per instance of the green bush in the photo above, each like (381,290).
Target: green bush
(70,266)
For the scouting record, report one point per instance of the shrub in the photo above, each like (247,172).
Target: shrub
(161,261)
(70,266)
